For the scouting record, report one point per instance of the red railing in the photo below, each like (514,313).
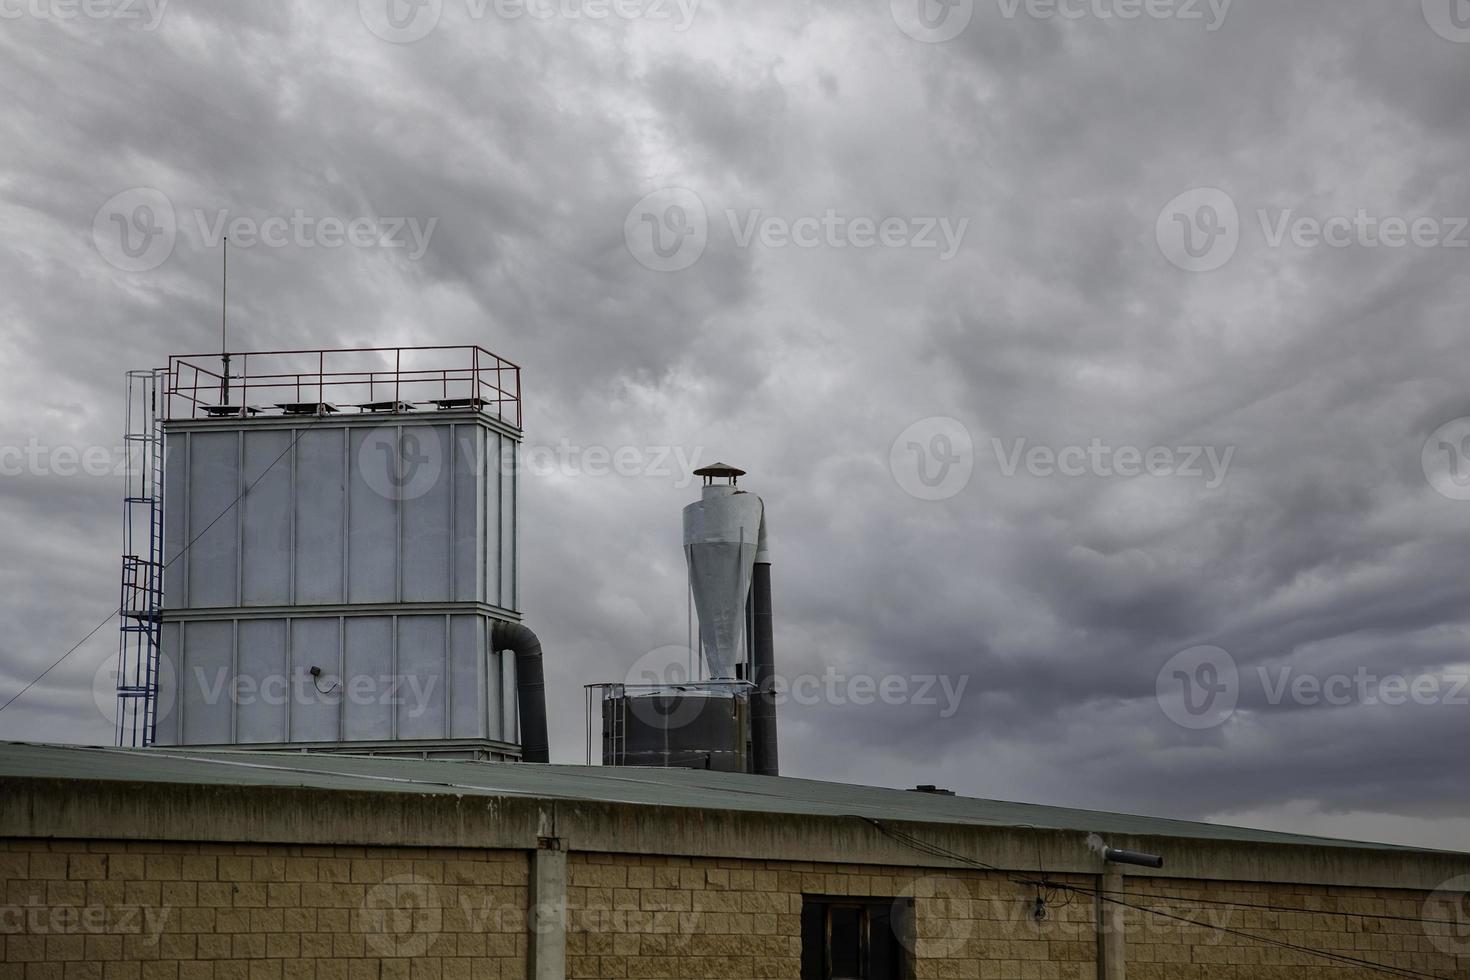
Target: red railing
(363,380)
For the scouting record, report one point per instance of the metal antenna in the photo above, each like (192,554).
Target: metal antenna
(224,347)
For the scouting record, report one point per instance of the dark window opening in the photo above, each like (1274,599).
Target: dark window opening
(856,938)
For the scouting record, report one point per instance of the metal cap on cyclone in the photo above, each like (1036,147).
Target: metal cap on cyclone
(720,471)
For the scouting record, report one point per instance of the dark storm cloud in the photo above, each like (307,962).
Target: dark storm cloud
(1059,321)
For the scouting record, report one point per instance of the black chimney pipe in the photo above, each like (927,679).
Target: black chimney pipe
(530,686)
(766,760)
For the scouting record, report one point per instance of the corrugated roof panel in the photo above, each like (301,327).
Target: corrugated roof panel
(645,787)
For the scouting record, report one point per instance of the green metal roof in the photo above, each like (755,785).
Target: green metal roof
(646,787)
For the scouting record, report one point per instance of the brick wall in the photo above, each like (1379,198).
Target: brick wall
(674,917)
(641,917)
(129,911)
(1321,918)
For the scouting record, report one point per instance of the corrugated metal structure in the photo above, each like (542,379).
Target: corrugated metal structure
(704,792)
(340,537)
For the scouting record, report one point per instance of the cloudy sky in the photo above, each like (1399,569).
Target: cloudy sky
(1101,363)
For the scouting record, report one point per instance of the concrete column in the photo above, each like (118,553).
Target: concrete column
(1111,945)
(547,959)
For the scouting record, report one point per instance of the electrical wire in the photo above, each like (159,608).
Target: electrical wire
(185,550)
(1384,968)
(934,850)
(1046,896)
(1287,908)
(937,851)
(57,662)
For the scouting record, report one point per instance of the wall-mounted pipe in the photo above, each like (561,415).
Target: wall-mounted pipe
(530,686)
(1116,855)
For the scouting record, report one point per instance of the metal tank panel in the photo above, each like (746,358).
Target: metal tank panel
(327,562)
(315,531)
(383,678)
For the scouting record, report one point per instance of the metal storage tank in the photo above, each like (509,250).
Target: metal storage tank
(722,534)
(690,729)
(338,545)
(728,721)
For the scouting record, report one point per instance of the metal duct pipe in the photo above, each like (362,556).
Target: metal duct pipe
(765,758)
(1115,855)
(530,686)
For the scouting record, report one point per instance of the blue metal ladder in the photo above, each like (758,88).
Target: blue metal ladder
(140,605)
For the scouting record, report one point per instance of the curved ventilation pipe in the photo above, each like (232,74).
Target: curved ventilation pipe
(530,686)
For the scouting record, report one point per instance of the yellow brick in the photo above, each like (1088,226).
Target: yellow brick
(86,867)
(301,869)
(162,867)
(213,947)
(48,867)
(198,868)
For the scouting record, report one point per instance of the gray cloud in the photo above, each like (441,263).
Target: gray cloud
(1059,321)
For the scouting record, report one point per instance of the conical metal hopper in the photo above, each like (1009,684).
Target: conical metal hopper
(721,533)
